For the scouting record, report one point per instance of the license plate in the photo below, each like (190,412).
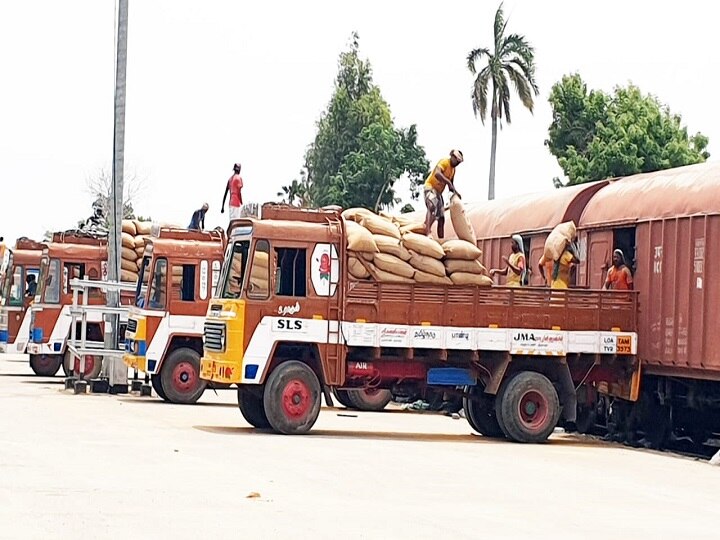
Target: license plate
(208,368)
(34,348)
(624,345)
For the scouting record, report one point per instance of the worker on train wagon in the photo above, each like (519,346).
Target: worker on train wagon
(516,265)
(619,277)
(563,266)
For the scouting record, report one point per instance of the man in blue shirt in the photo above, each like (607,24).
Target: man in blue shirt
(197,223)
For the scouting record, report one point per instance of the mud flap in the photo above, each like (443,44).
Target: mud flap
(568,396)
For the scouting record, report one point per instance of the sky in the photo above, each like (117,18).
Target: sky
(220,81)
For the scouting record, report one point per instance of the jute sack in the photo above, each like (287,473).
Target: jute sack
(386,277)
(177,271)
(127,276)
(356,214)
(130,266)
(412,227)
(558,239)
(359,238)
(460,249)
(129,254)
(431,279)
(143,228)
(356,269)
(466,278)
(391,245)
(394,265)
(426,264)
(366,256)
(423,245)
(460,265)
(139,241)
(259,272)
(261,259)
(140,251)
(128,226)
(128,240)
(139,264)
(378,225)
(460,222)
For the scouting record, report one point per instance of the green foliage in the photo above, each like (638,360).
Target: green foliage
(358,154)
(595,135)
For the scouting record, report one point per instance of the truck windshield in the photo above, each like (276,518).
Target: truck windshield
(17,288)
(49,287)
(234,270)
(141,289)
(5,269)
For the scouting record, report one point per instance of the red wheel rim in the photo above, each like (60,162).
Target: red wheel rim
(296,399)
(184,377)
(533,408)
(89,365)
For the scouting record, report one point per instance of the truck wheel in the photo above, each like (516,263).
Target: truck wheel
(180,376)
(292,398)
(369,399)
(343,397)
(93,365)
(528,407)
(45,365)
(156,383)
(252,408)
(67,364)
(480,413)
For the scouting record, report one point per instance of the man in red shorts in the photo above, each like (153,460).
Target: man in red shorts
(234,188)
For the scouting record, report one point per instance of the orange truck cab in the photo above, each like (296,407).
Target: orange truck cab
(16,294)
(72,258)
(164,336)
(289,324)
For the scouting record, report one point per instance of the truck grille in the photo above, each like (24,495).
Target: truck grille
(215,336)
(132,325)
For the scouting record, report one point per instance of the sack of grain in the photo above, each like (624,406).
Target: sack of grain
(128,276)
(426,264)
(129,254)
(466,278)
(357,269)
(356,214)
(460,249)
(128,240)
(261,259)
(143,228)
(416,227)
(394,265)
(177,270)
(378,225)
(558,239)
(391,245)
(139,264)
(259,272)
(460,222)
(386,277)
(130,266)
(139,241)
(423,245)
(365,256)
(128,226)
(359,238)
(431,279)
(461,265)
(140,252)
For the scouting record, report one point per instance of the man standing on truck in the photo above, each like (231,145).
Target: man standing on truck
(442,175)
(234,188)
(197,222)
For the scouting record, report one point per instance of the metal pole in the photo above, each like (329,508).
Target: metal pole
(116,202)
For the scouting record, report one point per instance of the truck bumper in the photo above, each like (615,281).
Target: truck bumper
(220,371)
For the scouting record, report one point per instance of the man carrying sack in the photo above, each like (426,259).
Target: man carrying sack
(442,176)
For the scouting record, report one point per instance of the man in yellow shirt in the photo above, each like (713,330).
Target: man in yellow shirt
(443,175)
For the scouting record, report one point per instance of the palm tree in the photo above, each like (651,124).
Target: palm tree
(513,59)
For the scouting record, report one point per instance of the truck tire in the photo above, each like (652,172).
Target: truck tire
(252,408)
(45,365)
(93,366)
(156,383)
(292,398)
(373,400)
(343,397)
(527,407)
(180,376)
(480,413)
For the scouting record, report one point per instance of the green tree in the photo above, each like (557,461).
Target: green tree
(512,61)
(358,154)
(595,135)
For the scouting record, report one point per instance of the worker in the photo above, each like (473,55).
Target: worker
(515,264)
(545,266)
(442,176)
(197,222)
(31,282)
(619,277)
(562,267)
(234,188)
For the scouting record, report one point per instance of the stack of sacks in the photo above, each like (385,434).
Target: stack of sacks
(558,239)
(134,234)
(394,250)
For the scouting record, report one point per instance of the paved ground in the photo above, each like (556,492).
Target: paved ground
(117,467)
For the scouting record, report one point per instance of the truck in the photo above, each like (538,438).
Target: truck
(288,325)
(66,258)
(18,264)
(164,336)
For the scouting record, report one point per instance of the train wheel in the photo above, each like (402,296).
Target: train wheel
(45,365)
(156,383)
(292,398)
(529,407)
(343,397)
(252,407)
(93,365)
(369,399)
(480,413)
(180,376)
